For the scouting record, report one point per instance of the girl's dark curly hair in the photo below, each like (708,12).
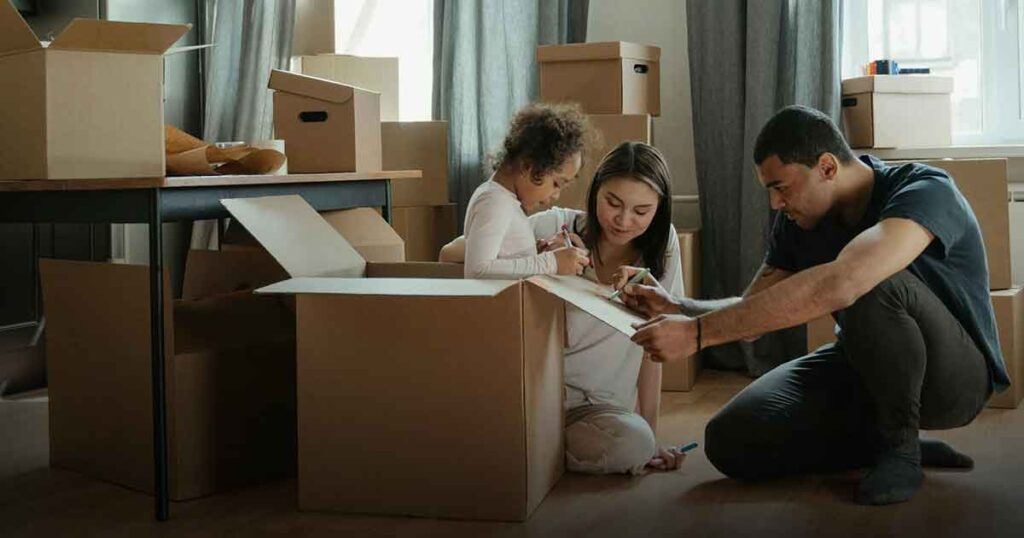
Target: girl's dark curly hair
(542,136)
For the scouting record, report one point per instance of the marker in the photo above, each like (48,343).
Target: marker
(686,448)
(637,278)
(565,234)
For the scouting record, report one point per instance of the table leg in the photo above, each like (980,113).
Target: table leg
(387,201)
(156,316)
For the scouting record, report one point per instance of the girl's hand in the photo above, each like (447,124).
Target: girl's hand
(571,260)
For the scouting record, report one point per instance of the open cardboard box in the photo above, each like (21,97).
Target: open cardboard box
(420,396)
(230,374)
(88,105)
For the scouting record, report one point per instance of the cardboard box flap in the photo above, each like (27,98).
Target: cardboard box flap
(592,298)
(15,34)
(296,236)
(312,87)
(410,287)
(597,51)
(363,227)
(898,84)
(145,38)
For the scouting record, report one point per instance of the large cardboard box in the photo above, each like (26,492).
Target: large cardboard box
(425,229)
(1009,309)
(230,372)
(613,129)
(376,74)
(326,126)
(417,145)
(898,111)
(392,425)
(984,183)
(604,78)
(681,375)
(88,105)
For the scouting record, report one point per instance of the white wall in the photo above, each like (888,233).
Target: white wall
(661,23)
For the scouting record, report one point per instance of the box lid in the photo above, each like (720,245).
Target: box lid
(113,36)
(898,84)
(313,87)
(297,237)
(15,33)
(597,51)
(592,298)
(368,233)
(416,287)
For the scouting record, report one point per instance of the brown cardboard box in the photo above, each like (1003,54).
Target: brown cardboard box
(820,331)
(613,129)
(417,145)
(898,111)
(1009,309)
(474,356)
(681,375)
(425,229)
(89,105)
(230,380)
(984,183)
(375,74)
(326,126)
(604,78)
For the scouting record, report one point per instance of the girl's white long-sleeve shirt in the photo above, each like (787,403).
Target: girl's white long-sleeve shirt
(500,240)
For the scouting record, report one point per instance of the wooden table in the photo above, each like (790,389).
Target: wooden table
(157,200)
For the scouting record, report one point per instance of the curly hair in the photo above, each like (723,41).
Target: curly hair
(542,136)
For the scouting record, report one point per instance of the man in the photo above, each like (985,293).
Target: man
(896,255)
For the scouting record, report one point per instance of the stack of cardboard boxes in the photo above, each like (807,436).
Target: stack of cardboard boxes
(421,212)
(984,183)
(618,85)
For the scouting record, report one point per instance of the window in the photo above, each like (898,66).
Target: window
(978,43)
(397,28)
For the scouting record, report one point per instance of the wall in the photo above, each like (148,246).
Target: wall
(661,23)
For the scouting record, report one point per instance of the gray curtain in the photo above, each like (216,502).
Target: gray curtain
(748,58)
(250,38)
(485,69)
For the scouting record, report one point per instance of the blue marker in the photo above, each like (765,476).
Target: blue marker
(686,448)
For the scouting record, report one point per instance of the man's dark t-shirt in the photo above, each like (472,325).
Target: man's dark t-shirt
(953,266)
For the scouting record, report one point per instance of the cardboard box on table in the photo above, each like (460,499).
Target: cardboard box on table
(87,105)
(377,74)
(326,126)
(611,77)
(898,111)
(230,367)
(681,375)
(613,130)
(416,396)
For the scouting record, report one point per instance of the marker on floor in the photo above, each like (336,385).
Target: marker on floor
(688,447)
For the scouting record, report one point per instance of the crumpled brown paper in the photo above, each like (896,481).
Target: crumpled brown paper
(187,155)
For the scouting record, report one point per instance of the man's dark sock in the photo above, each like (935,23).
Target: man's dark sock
(895,478)
(935,453)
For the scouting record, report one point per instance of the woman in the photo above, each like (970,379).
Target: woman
(612,391)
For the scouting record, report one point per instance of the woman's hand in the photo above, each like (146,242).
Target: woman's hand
(648,299)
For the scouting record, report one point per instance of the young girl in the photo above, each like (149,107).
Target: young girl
(612,392)
(541,154)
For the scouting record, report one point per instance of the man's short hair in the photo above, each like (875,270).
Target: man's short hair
(800,134)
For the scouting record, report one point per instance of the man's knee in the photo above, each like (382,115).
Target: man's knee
(726,444)
(609,443)
(888,295)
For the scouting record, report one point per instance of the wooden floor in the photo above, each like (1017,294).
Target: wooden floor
(695,501)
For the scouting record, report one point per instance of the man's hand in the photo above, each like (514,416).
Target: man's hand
(667,459)
(667,338)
